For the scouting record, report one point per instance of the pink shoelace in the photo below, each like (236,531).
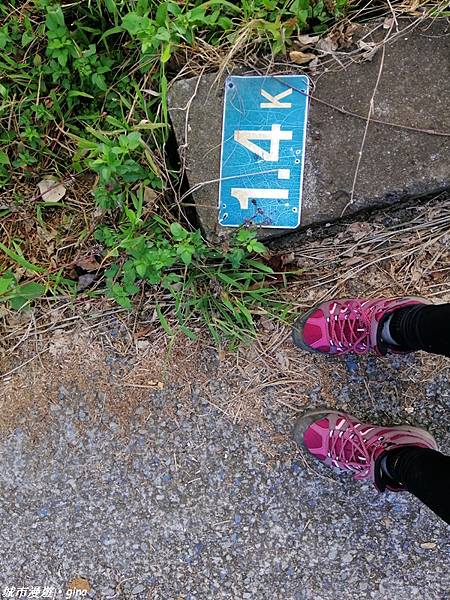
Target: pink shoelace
(350,449)
(350,327)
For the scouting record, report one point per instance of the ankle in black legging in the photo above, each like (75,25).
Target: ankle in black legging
(423,472)
(422,327)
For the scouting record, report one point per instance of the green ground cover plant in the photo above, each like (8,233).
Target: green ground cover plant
(83,102)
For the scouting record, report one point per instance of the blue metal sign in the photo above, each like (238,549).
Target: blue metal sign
(263,150)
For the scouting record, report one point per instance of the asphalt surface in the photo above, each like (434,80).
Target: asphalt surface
(187,505)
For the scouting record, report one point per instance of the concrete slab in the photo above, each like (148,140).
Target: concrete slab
(396,163)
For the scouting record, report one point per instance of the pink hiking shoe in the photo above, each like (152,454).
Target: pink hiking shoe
(340,440)
(348,325)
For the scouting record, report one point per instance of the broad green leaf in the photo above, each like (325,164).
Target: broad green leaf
(178,231)
(245,235)
(120,296)
(186,257)
(27,38)
(166,52)
(141,269)
(31,290)
(134,140)
(258,247)
(24,293)
(7,281)
(55,18)
(225,23)
(18,302)
(161,14)
(134,23)
(99,81)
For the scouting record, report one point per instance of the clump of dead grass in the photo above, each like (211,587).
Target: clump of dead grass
(408,257)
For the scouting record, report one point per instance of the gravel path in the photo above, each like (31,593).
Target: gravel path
(186,505)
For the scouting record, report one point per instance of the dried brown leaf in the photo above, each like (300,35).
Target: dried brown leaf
(149,197)
(343,34)
(266,324)
(314,65)
(88,263)
(79,583)
(327,45)
(287,259)
(51,190)
(301,58)
(370,49)
(308,40)
(45,234)
(359,229)
(282,360)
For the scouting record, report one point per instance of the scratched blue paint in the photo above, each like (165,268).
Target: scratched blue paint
(270,164)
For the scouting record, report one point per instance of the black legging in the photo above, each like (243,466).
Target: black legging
(422,327)
(425,473)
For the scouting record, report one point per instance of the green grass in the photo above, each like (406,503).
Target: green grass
(74,104)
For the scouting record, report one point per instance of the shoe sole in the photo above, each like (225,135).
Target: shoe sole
(305,420)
